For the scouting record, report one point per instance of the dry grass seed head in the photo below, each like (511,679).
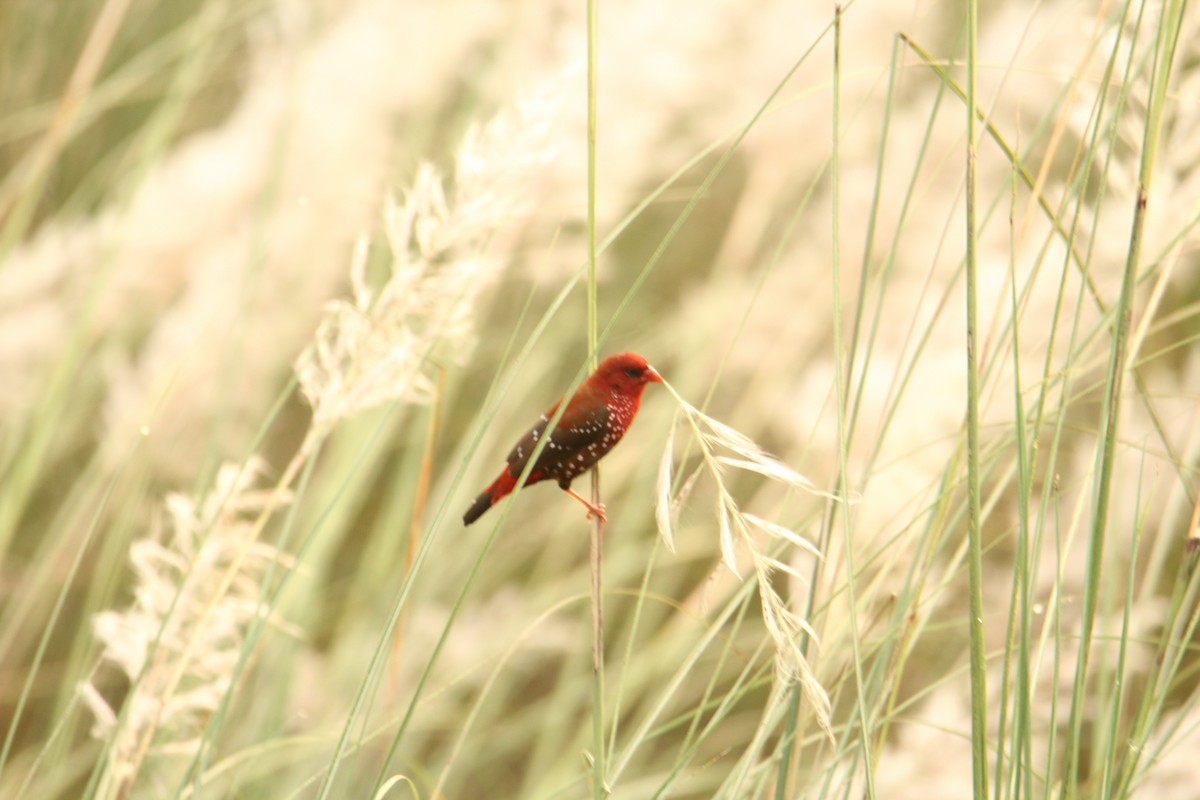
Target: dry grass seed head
(180,640)
(736,532)
(375,348)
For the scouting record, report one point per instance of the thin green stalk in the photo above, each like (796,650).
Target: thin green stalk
(868,251)
(1020,612)
(1114,380)
(1171,654)
(974,536)
(840,378)
(591,186)
(82,549)
(886,273)
(1056,636)
(595,540)
(1111,764)
(1046,515)
(1014,599)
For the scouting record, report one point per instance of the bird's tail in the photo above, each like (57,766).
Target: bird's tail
(490,496)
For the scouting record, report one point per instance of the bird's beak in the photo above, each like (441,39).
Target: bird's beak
(652,375)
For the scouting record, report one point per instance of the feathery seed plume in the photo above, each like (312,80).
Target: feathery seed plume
(737,529)
(182,636)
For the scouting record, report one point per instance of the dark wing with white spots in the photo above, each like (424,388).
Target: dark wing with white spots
(518,457)
(574,446)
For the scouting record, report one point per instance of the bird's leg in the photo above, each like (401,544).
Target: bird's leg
(598,510)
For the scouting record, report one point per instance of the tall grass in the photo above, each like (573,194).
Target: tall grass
(281,283)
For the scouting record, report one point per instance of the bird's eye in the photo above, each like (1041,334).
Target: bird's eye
(633,372)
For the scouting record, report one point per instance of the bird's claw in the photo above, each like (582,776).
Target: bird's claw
(593,508)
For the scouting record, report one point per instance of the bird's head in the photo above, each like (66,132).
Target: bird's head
(626,373)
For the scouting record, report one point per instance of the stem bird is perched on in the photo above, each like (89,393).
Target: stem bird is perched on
(595,419)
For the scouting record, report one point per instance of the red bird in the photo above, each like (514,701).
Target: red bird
(596,418)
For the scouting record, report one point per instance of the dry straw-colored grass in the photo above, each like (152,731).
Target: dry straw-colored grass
(267,228)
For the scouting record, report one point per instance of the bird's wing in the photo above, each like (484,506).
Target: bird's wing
(571,435)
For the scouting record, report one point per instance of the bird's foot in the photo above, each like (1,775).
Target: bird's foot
(596,509)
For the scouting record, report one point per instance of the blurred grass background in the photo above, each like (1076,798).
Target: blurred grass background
(183,187)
